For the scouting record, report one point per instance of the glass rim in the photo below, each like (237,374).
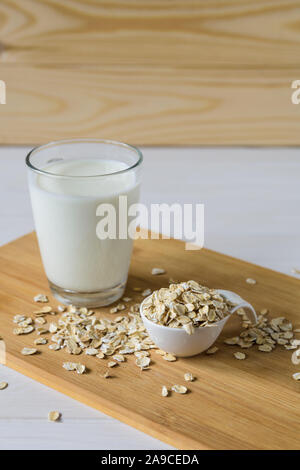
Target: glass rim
(96,141)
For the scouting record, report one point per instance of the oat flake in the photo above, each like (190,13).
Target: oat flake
(28,351)
(54,415)
(179,389)
(239,355)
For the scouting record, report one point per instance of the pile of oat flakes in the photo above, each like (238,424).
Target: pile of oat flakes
(80,331)
(186,305)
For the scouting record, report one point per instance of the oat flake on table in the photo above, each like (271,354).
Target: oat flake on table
(157,271)
(169,357)
(41,298)
(239,355)
(54,415)
(111,364)
(74,366)
(179,389)
(28,351)
(188,377)
(212,350)
(143,362)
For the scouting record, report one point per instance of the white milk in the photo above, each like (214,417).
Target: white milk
(65,218)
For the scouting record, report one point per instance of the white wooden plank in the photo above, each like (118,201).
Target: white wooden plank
(74,435)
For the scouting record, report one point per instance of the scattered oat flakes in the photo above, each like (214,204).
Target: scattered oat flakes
(54,415)
(188,377)
(266,334)
(264,311)
(100,355)
(141,353)
(106,375)
(157,271)
(160,352)
(265,347)
(83,310)
(41,298)
(117,308)
(296,357)
(212,350)
(119,357)
(146,292)
(179,389)
(70,344)
(127,299)
(239,355)
(43,310)
(61,308)
(19,318)
(164,391)
(41,331)
(296,376)
(40,341)
(80,368)
(40,321)
(23,330)
(53,327)
(28,351)
(54,346)
(91,351)
(169,357)
(118,319)
(232,341)
(249,280)
(143,362)
(3,385)
(25,323)
(111,364)
(72,309)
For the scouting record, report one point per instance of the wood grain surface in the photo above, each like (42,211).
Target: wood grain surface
(200,33)
(153,106)
(150,73)
(251,404)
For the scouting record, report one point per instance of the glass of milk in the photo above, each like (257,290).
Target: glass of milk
(69,183)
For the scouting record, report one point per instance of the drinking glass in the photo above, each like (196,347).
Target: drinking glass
(75,188)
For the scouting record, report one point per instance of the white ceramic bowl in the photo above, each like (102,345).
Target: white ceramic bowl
(178,342)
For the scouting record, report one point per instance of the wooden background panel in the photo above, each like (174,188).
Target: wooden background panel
(148,106)
(202,33)
(150,72)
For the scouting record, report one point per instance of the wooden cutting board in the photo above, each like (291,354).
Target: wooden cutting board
(251,404)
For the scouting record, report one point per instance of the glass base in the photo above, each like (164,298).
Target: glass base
(88,299)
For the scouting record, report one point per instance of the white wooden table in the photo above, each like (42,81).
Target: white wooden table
(252,201)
